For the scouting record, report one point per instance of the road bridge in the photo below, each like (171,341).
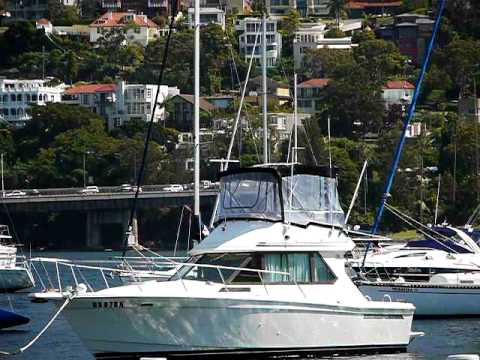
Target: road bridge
(106,208)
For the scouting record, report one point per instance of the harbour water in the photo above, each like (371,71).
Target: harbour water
(442,337)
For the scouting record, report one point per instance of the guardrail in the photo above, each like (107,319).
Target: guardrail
(102,190)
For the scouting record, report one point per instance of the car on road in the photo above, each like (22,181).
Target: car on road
(90,190)
(129,188)
(16,193)
(173,188)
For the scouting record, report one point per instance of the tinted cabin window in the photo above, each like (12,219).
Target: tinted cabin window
(296,264)
(321,273)
(216,274)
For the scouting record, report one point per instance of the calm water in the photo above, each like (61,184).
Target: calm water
(443,337)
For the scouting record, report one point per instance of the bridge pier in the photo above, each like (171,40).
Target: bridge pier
(106,228)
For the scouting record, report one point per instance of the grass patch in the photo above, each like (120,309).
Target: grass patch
(405,235)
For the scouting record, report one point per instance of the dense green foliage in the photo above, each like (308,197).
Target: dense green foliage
(49,151)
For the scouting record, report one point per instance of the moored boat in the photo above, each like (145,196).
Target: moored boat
(270,278)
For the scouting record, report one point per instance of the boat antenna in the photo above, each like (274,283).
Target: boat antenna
(148,135)
(331,172)
(406,123)
(355,193)
(438,198)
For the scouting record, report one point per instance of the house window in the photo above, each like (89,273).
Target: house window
(84,98)
(117,122)
(40,97)
(13,98)
(13,112)
(19,97)
(34,97)
(149,93)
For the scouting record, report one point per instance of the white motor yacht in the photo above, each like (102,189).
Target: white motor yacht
(14,272)
(269,279)
(441,277)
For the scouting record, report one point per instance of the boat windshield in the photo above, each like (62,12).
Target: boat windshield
(254,195)
(311,198)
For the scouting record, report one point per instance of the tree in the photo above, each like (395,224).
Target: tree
(337,7)
(287,28)
(334,33)
(459,59)
(380,58)
(354,104)
(319,63)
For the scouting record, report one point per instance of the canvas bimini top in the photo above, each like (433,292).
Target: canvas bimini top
(293,194)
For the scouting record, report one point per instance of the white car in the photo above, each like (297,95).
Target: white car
(16,193)
(174,188)
(90,190)
(129,188)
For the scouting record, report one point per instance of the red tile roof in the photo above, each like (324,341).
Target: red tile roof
(91,89)
(398,85)
(315,83)
(373,4)
(120,19)
(43,21)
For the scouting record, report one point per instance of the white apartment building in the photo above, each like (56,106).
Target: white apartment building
(32,9)
(207,16)
(16,96)
(312,36)
(248,28)
(137,28)
(121,102)
(304,7)
(310,95)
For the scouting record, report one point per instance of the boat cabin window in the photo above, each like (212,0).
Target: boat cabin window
(311,198)
(303,267)
(253,195)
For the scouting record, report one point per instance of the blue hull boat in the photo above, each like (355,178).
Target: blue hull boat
(10,319)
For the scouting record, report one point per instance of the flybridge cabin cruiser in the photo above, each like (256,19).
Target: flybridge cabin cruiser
(269,279)
(440,277)
(14,274)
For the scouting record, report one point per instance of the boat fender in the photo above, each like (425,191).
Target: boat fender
(400,279)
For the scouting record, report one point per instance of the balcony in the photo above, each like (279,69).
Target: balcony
(157,3)
(111,4)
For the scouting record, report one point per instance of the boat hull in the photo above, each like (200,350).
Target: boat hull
(9,319)
(430,300)
(202,325)
(13,279)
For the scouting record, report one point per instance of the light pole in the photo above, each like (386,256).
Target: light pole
(3,183)
(85,153)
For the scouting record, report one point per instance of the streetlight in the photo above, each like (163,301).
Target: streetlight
(3,183)
(85,153)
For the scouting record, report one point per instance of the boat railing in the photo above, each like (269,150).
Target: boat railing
(68,276)
(259,272)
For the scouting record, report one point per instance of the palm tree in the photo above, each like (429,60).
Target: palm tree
(336,7)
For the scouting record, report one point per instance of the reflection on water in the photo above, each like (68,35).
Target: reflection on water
(442,337)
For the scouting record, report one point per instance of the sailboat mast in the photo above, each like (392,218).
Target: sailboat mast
(264,81)
(196,111)
(295,119)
